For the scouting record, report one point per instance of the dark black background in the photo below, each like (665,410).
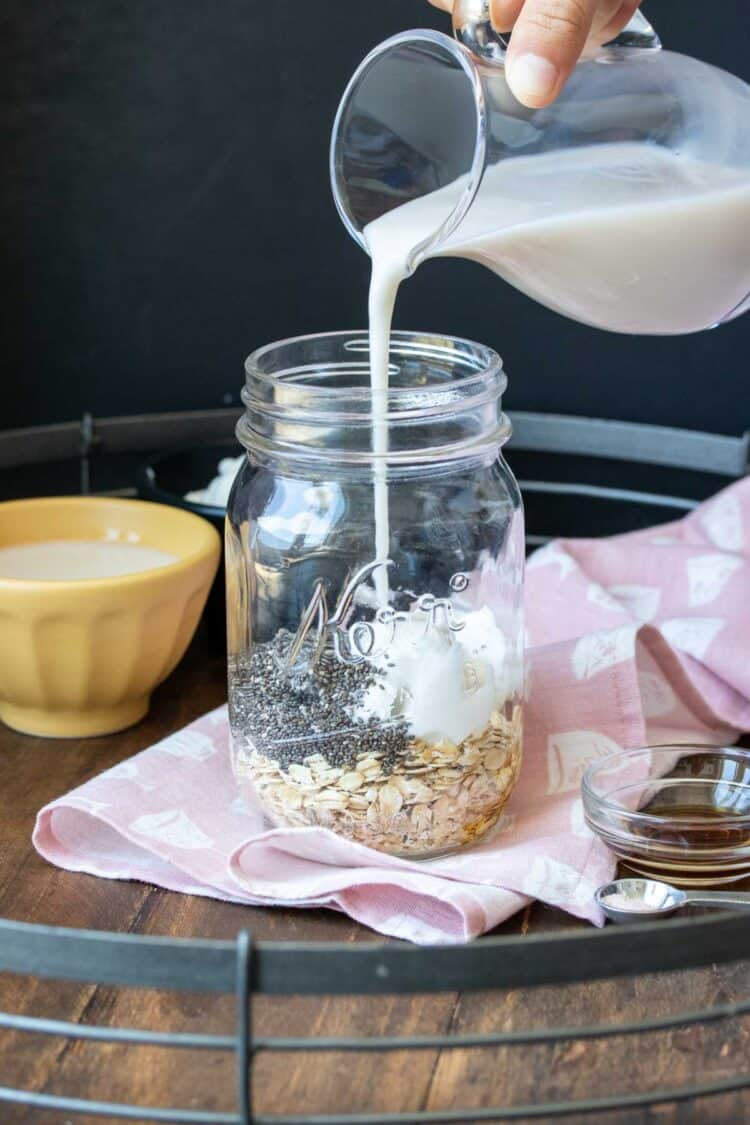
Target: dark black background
(165,209)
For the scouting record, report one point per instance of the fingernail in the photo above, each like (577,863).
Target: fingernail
(532,77)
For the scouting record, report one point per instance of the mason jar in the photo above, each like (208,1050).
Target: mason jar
(375,553)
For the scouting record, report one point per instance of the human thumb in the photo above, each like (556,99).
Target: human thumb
(547,41)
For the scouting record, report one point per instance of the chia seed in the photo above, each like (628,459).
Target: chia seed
(290,717)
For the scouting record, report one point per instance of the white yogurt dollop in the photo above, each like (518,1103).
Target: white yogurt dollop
(444,684)
(216,493)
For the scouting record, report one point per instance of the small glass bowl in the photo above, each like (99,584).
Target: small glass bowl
(680,814)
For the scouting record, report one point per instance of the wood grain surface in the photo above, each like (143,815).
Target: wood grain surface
(34,771)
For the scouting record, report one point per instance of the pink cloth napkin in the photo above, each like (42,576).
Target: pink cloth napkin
(642,638)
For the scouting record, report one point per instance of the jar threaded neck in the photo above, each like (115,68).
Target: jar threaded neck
(309,399)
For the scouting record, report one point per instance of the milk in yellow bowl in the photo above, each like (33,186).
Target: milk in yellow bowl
(99,599)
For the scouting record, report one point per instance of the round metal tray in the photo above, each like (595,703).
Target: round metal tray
(579,476)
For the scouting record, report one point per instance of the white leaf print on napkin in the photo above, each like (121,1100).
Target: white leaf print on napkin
(692,635)
(722,522)
(642,602)
(188,744)
(172,826)
(552,555)
(597,651)
(86,803)
(708,575)
(557,883)
(657,697)
(570,752)
(598,596)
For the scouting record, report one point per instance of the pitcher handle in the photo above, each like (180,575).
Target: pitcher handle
(472,26)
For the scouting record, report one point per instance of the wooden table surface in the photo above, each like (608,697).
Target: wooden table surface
(34,771)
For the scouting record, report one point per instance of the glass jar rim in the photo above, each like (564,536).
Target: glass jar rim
(309,398)
(491,369)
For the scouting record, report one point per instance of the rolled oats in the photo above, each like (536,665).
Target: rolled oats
(437,798)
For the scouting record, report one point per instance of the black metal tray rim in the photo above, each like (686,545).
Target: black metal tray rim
(372,968)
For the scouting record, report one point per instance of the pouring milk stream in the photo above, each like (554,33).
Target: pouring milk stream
(625,206)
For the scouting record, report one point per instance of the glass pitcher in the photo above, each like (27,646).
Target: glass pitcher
(624,205)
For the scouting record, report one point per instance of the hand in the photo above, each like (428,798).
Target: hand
(549,36)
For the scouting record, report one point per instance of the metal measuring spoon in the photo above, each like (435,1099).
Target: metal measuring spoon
(642,900)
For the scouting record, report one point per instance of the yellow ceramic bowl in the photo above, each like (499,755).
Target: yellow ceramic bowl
(81,657)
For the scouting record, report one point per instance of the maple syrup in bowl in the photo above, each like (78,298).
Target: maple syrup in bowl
(680,814)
